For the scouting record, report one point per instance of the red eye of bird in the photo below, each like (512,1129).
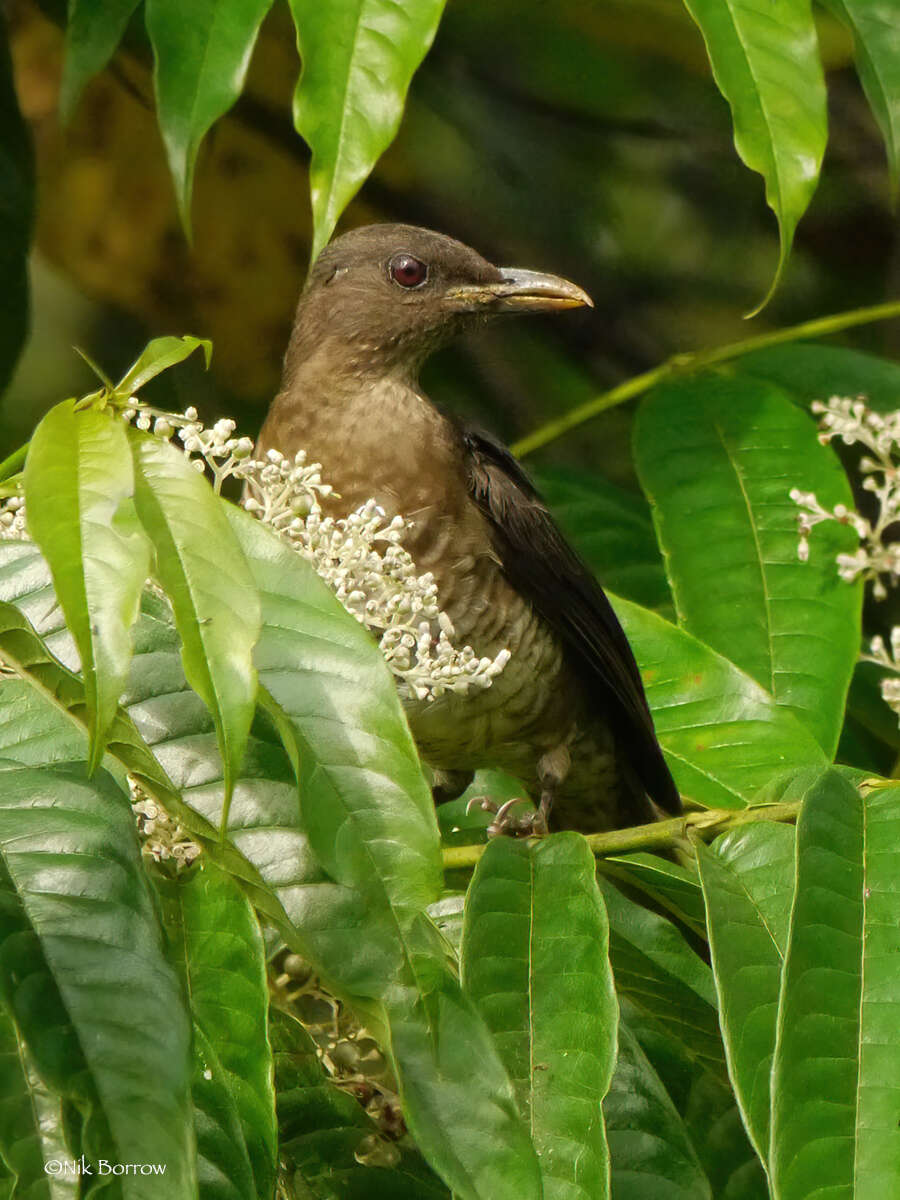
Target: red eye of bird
(409,272)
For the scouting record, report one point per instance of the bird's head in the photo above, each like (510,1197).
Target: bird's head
(390,294)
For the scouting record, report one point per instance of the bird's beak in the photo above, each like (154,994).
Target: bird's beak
(522,291)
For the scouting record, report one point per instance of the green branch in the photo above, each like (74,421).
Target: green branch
(660,835)
(680,364)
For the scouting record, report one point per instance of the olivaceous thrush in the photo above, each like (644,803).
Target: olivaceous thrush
(567,715)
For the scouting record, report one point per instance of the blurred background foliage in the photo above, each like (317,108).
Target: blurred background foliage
(587,138)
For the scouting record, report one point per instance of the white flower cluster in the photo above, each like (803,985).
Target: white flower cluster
(875,560)
(360,556)
(162,838)
(12,519)
(854,422)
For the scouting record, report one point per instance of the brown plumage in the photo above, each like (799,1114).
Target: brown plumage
(567,715)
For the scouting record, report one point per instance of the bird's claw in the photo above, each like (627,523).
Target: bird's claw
(529,824)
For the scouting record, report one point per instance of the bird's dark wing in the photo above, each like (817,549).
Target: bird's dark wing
(542,566)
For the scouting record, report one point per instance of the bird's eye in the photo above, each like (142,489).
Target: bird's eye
(409,272)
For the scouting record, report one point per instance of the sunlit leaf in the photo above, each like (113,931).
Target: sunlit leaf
(767,65)
(157,356)
(77,478)
(201,65)
(358,59)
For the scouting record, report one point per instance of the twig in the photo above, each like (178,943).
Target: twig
(661,835)
(681,364)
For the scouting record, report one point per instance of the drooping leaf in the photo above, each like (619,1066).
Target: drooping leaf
(358,59)
(729,533)
(650,1151)
(613,531)
(534,959)
(747,882)
(708,713)
(876,38)
(93,31)
(836,1074)
(157,356)
(217,945)
(767,66)
(77,477)
(70,847)
(200,67)
(213,597)
(16,209)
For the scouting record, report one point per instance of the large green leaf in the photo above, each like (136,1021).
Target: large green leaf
(612,529)
(93,31)
(201,64)
(723,735)
(876,38)
(70,847)
(16,206)
(358,59)
(200,564)
(650,1150)
(766,63)
(217,944)
(836,1074)
(78,475)
(534,960)
(661,976)
(717,456)
(747,882)
(813,371)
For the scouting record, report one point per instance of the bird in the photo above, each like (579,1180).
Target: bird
(567,716)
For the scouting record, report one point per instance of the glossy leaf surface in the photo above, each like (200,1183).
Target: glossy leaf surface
(358,59)
(534,960)
(729,534)
(836,1074)
(77,478)
(93,31)
(767,66)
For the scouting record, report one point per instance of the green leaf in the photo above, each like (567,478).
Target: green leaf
(669,884)
(70,847)
(358,59)
(657,971)
(766,64)
(224,1171)
(16,211)
(78,476)
(213,596)
(717,457)
(707,712)
(876,38)
(200,68)
(836,1074)
(93,31)
(813,371)
(747,882)
(650,1150)
(30,1122)
(217,944)
(157,356)
(534,960)
(613,531)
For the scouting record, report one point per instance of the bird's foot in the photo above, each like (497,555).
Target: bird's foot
(506,822)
